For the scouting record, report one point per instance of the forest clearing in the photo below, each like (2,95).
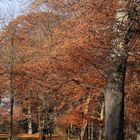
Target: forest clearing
(70,69)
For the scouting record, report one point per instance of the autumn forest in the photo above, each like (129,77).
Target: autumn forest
(70,70)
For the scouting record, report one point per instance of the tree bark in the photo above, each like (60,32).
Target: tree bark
(138,131)
(11,89)
(11,108)
(11,119)
(101,117)
(90,131)
(30,130)
(42,134)
(83,129)
(41,128)
(68,134)
(50,135)
(114,104)
(114,94)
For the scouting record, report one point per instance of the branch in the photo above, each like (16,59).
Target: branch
(3,73)
(100,72)
(85,85)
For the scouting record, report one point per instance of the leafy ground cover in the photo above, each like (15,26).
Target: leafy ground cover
(33,137)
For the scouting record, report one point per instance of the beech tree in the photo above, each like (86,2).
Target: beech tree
(114,96)
(9,60)
(120,22)
(84,51)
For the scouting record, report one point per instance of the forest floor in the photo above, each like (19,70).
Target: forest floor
(34,137)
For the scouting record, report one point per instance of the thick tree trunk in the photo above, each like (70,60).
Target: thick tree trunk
(114,94)
(114,103)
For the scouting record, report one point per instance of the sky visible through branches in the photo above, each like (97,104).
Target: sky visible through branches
(10,9)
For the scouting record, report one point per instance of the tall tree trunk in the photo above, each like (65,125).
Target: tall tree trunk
(11,89)
(90,131)
(11,119)
(79,134)
(30,130)
(42,135)
(83,129)
(42,118)
(41,128)
(138,131)
(11,107)
(114,104)
(114,94)
(50,136)
(68,133)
